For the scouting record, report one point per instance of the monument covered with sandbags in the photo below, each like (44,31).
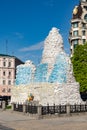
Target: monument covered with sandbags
(52,80)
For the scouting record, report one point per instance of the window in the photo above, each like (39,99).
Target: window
(9,74)
(4,63)
(84,0)
(9,82)
(4,82)
(84,40)
(75,25)
(75,46)
(75,33)
(9,90)
(3,90)
(4,73)
(83,33)
(85,7)
(75,42)
(83,25)
(9,64)
(85,17)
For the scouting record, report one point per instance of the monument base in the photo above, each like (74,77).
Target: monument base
(48,93)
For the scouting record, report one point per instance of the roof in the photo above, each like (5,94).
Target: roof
(4,55)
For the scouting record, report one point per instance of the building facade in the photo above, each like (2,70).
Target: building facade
(78,31)
(7,73)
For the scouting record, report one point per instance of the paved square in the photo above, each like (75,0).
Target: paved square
(14,121)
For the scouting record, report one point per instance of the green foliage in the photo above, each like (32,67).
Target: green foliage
(8,107)
(79,61)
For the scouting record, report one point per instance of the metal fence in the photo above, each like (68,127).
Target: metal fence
(29,108)
(61,109)
(78,108)
(47,110)
(32,109)
(18,107)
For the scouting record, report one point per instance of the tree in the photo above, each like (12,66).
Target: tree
(79,61)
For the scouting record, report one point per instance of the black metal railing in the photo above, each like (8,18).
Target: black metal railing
(78,108)
(32,109)
(18,107)
(61,109)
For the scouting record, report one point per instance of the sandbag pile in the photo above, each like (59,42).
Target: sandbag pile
(53,45)
(25,73)
(52,81)
(41,73)
(54,67)
(59,72)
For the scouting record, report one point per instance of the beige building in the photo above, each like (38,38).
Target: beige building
(7,73)
(78,31)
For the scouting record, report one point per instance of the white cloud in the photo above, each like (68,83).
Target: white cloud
(35,47)
(19,35)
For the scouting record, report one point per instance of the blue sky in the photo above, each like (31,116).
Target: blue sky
(26,23)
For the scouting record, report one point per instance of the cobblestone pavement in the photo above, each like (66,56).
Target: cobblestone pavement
(14,121)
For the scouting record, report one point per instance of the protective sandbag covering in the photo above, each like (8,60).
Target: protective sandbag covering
(59,72)
(25,73)
(51,81)
(41,73)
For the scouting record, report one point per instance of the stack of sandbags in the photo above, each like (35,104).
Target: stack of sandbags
(67,93)
(41,73)
(70,75)
(59,72)
(52,81)
(25,73)
(53,45)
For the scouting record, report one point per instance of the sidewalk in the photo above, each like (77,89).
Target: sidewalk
(14,121)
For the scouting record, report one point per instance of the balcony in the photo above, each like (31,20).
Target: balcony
(75,20)
(74,38)
(84,28)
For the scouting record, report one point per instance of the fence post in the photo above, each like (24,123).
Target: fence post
(59,110)
(68,109)
(3,105)
(12,104)
(24,108)
(39,112)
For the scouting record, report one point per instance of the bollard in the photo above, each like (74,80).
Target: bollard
(68,109)
(3,105)
(39,112)
(24,108)
(59,110)
(12,104)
